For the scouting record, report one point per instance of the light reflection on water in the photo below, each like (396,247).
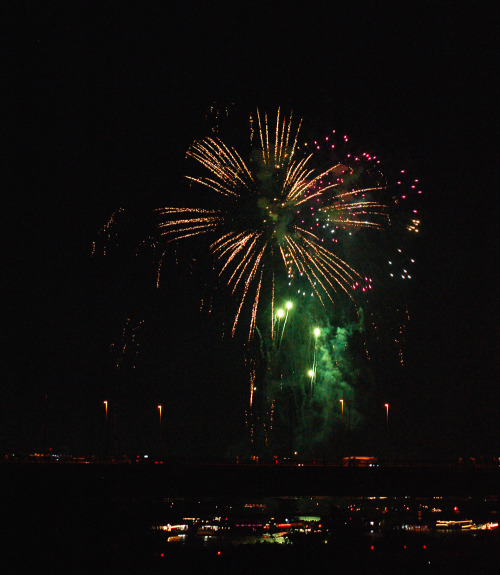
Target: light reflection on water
(294,521)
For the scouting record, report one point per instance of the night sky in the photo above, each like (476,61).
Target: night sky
(105,100)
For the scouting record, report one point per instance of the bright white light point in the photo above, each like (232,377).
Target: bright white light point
(280,313)
(317,331)
(310,373)
(289,305)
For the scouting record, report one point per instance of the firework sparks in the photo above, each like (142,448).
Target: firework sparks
(108,235)
(272,213)
(126,349)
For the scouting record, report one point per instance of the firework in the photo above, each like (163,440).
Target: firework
(108,235)
(126,349)
(275,214)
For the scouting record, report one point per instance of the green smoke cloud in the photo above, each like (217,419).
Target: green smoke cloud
(303,378)
(336,377)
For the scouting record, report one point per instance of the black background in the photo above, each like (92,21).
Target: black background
(104,100)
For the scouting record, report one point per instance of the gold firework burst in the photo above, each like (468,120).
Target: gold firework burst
(267,214)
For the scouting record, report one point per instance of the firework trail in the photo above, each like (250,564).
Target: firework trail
(108,235)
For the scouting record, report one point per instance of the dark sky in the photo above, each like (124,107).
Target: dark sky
(106,98)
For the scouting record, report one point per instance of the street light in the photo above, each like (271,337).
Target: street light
(159,409)
(386,405)
(106,431)
(342,411)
